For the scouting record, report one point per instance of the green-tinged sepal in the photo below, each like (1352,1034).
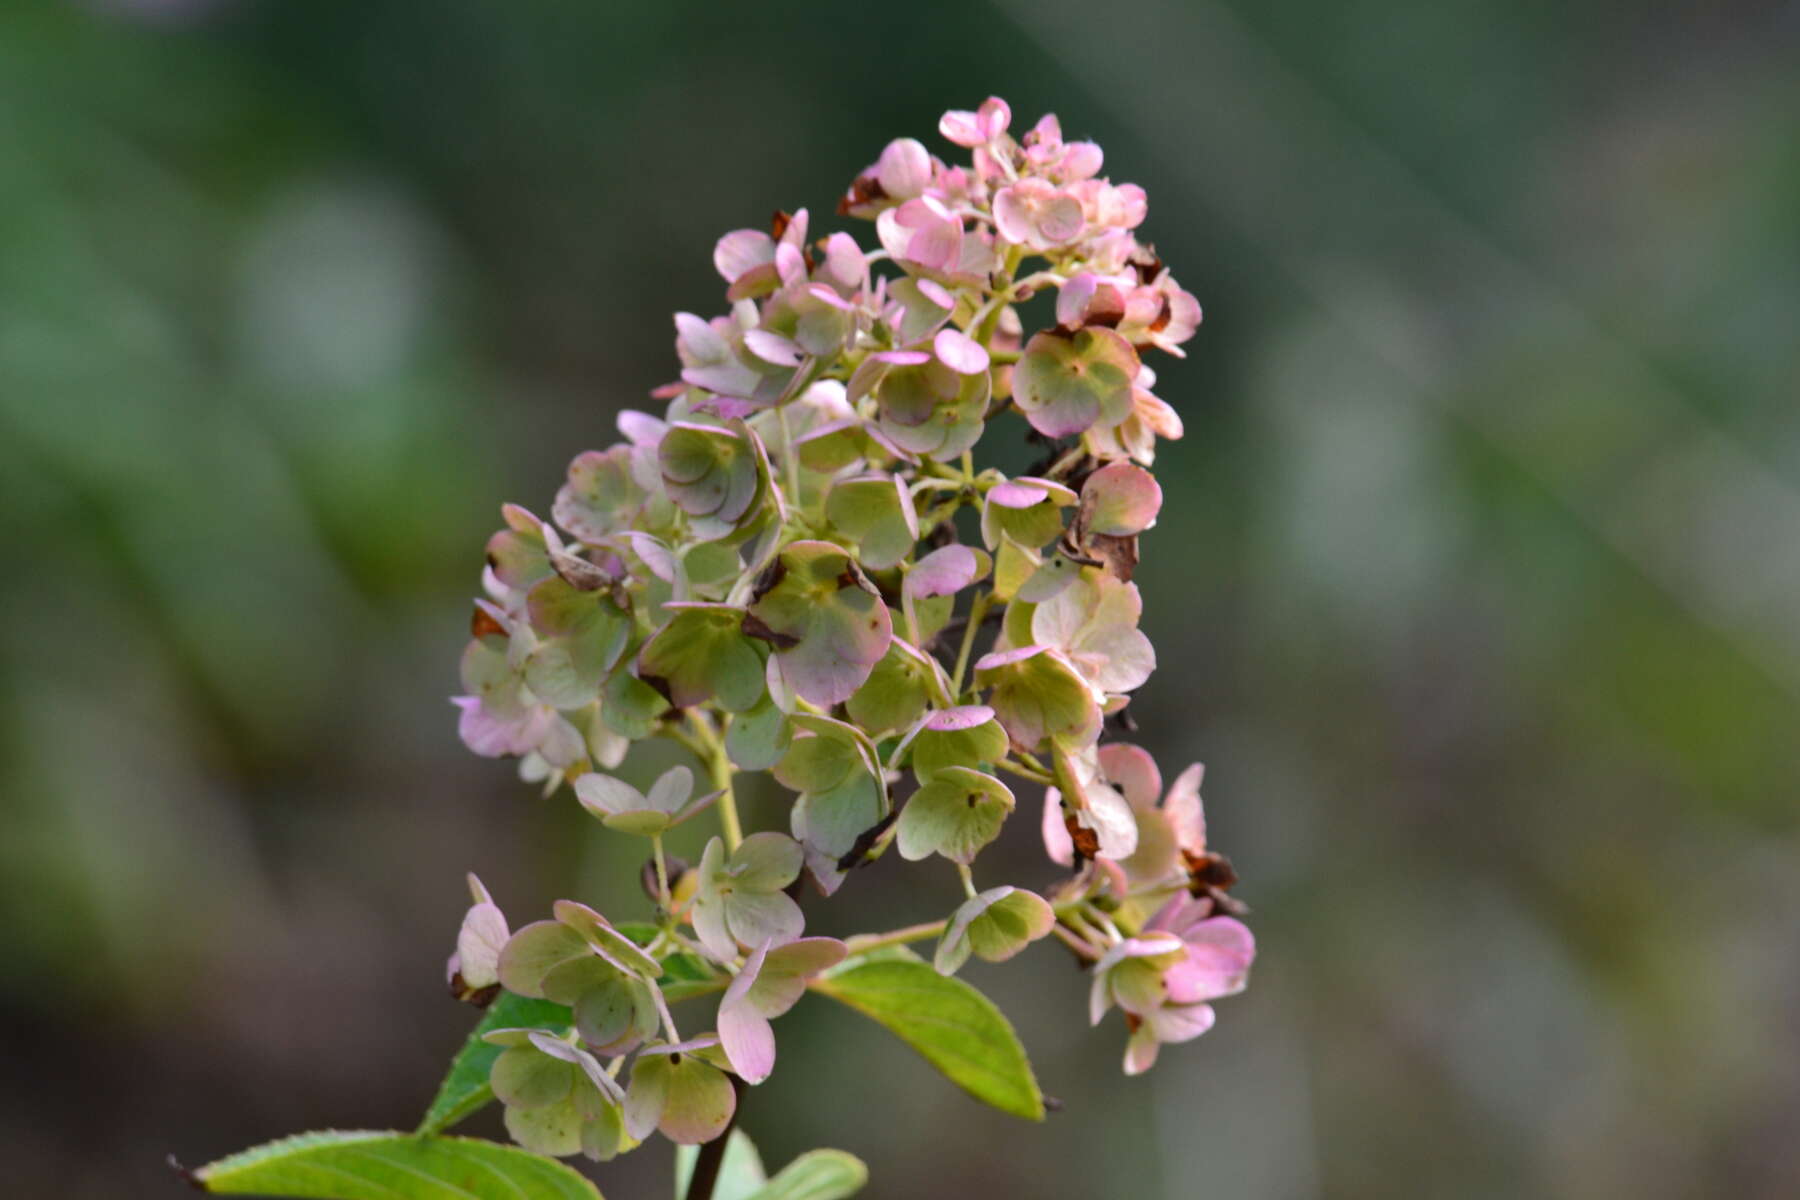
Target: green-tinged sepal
(702,654)
(994,925)
(955,814)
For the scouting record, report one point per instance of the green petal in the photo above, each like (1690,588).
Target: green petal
(603,1135)
(896,692)
(647,1094)
(936,747)
(629,706)
(713,474)
(757,739)
(702,653)
(955,815)
(1009,924)
(532,952)
(765,862)
(828,624)
(569,981)
(525,1077)
(1037,695)
(831,821)
(600,497)
(816,764)
(596,931)
(930,409)
(617,1011)
(1065,383)
(875,512)
(699,1104)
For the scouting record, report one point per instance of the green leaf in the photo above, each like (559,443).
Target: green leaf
(817,1175)
(896,692)
(392,1166)
(956,1028)
(465,1088)
(740,1174)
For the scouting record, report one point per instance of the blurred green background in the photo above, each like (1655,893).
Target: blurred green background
(1478,585)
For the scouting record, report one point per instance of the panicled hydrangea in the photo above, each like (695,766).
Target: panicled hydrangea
(771,572)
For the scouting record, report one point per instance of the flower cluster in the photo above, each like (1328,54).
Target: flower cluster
(796,566)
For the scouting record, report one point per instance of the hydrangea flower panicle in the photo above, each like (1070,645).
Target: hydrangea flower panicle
(796,564)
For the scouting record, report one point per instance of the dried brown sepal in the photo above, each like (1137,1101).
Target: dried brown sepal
(1087,842)
(482,624)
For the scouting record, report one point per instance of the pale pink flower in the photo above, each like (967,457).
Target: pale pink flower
(972,129)
(923,233)
(1048,155)
(771,981)
(1037,214)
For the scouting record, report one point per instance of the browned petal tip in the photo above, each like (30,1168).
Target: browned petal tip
(1087,842)
(1162,317)
(1210,870)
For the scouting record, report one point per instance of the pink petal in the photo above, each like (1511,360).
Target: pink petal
(1082,160)
(1014,494)
(1180,1022)
(782,980)
(1219,953)
(1012,216)
(1120,499)
(1185,812)
(1072,299)
(1140,1050)
(494,737)
(1060,219)
(1110,818)
(960,352)
(772,348)
(901,358)
(944,572)
(640,428)
(962,127)
(1180,913)
(790,264)
(741,251)
(1005,658)
(904,169)
(1134,771)
(845,263)
(955,720)
(1057,842)
(936,293)
(744,1033)
(995,115)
